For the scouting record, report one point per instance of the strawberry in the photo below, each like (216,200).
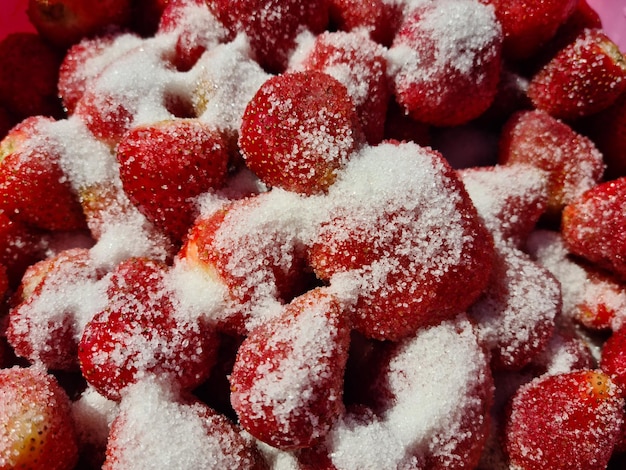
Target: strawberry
(360,64)
(445,72)
(165,165)
(298,130)
(593,223)
(183,18)
(141,334)
(528,24)
(287,380)
(271,25)
(45,324)
(37,428)
(565,421)
(613,358)
(21,247)
(203,439)
(379,18)
(66,22)
(374,242)
(584,78)
(30,168)
(571,160)
(30,70)
(84,61)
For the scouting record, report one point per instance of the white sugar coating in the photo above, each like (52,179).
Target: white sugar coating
(438,378)
(225,79)
(157,432)
(502,194)
(277,459)
(287,383)
(515,316)
(462,32)
(197,22)
(578,287)
(93,415)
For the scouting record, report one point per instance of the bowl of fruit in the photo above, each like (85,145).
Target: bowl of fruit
(273,234)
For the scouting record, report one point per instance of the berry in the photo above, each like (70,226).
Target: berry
(164,166)
(380,19)
(37,431)
(21,247)
(592,226)
(298,130)
(584,78)
(613,358)
(444,72)
(564,421)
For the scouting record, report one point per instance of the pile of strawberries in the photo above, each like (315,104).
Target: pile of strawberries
(331,234)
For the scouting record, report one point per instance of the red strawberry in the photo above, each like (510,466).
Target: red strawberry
(37,430)
(271,25)
(298,130)
(571,160)
(287,381)
(203,438)
(196,29)
(379,18)
(20,247)
(584,78)
(445,61)
(528,24)
(593,226)
(566,421)
(29,170)
(374,245)
(165,165)
(51,308)
(84,61)
(30,70)
(66,22)
(359,64)
(141,334)
(613,358)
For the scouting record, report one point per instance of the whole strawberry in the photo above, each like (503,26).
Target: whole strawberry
(584,78)
(165,165)
(34,189)
(36,427)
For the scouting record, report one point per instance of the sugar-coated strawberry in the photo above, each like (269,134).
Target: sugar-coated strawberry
(528,24)
(66,22)
(360,64)
(379,253)
(607,129)
(29,171)
(379,18)
(45,324)
(84,61)
(37,431)
(271,25)
(253,247)
(30,70)
(287,380)
(584,78)
(141,334)
(565,421)
(572,161)
(445,61)
(21,247)
(298,130)
(593,226)
(613,358)
(165,165)
(196,28)
(155,428)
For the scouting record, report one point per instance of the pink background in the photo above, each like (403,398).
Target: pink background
(613,13)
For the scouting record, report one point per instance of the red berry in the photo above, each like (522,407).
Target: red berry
(20,247)
(613,358)
(593,226)
(565,421)
(37,430)
(299,130)
(287,381)
(379,18)
(585,77)
(164,166)
(445,61)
